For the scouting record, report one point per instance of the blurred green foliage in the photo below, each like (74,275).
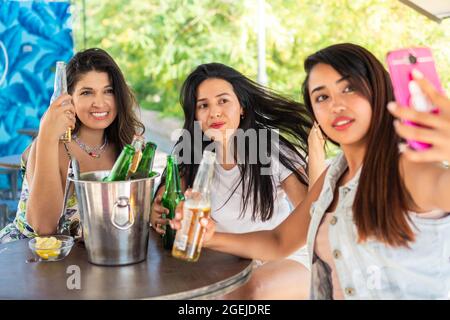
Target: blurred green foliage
(157,43)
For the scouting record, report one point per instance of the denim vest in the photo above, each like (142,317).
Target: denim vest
(373,270)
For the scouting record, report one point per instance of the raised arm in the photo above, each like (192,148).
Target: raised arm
(425,177)
(265,245)
(428,184)
(43,168)
(294,189)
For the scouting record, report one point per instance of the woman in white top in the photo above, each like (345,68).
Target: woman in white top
(252,177)
(384,213)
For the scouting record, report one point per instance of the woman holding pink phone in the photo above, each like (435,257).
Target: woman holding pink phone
(435,128)
(376,222)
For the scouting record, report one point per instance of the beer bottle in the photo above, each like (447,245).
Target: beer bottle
(59,88)
(138,144)
(170,199)
(145,167)
(122,165)
(189,239)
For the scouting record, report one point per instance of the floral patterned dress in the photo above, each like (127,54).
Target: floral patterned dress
(69,223)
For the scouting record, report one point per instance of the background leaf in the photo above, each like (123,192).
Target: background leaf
(33,23)
(9,11)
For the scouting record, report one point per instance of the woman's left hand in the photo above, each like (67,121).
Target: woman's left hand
(437,126)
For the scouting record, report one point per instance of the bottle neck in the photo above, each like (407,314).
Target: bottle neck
(148,155)
(137,143)
(173,184)
(203,178)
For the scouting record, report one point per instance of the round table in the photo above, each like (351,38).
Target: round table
(159,277)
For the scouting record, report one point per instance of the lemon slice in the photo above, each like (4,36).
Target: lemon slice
(47,247)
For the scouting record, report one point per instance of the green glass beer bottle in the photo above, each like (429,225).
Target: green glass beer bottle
(128,158)
(170,199)
(145,167)
(122,165)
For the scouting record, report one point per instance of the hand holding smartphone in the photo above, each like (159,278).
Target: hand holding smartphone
(401,62)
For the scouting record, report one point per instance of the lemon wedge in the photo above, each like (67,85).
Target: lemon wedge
(47,247)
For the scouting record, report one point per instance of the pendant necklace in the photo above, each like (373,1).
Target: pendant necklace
(94,152)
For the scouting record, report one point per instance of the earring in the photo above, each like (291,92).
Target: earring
(242,116)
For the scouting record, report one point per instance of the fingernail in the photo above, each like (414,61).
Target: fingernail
(417,74)
(414,88)
(171,225)
(177,215)
(391,106)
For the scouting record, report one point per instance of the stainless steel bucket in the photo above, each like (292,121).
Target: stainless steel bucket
(115,217)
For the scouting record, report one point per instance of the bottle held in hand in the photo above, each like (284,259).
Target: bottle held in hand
(60,88)
(170,199)
(189,239)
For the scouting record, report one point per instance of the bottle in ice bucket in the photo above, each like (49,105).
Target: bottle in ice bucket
(124,162)
(59,88)
(144,170)
(138,144)
(170,199)
(189,239)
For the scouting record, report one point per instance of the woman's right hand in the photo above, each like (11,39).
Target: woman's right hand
(207,223)
(156,218)
(59,116)
(434,129)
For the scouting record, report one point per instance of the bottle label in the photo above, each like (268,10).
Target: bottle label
(183,234)
(181,242)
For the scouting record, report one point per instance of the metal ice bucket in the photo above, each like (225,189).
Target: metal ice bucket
(115,217)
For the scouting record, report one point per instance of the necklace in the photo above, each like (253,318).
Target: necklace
(94,152)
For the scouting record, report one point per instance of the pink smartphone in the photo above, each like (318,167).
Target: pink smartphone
(401,62)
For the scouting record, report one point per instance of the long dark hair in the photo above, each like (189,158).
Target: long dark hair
(381,201)
(263,109)
(126,124)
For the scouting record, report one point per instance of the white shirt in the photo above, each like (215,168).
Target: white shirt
(228,215)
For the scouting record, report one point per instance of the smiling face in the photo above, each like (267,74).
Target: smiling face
(94,101)
(343,113)
(217,109)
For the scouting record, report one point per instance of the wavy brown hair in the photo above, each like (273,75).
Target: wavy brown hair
(126,124)
(381,201)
